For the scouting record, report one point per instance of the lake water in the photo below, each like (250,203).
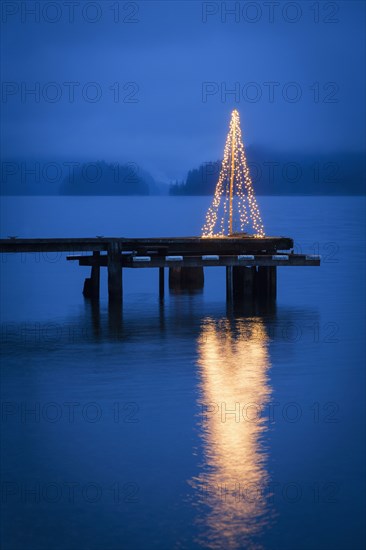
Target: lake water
(183,424)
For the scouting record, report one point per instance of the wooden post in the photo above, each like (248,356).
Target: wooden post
(115,320)
(186,278)
(114,273)
(249,279)
(243,282)
(266,282)
(92,284)
(229,283)
(273,282)
(161,283)
(261,286)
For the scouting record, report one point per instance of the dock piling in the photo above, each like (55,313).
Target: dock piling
(243,282)
(266,282)
(229,283)
(161,282)
(114,273)
(92,283)
(186,278)
(240,282)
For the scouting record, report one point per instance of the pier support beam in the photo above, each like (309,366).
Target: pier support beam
(92,283)
(114,273)
(240,283)
(229,283)
(266,282)
(243,282)
(161,282)
(186,278)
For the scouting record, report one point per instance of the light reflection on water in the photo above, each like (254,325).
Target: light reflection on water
(233,368)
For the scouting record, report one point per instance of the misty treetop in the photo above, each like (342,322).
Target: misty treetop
(100,178)
(28,177)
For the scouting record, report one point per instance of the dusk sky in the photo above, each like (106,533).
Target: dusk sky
(162,55)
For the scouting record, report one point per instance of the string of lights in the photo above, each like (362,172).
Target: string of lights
(234,205)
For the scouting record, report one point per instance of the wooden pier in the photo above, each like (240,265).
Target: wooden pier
(251,263)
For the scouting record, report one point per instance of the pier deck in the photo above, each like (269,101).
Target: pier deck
(251,263)
(163,245)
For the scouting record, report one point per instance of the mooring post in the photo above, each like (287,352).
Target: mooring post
(266,282)
(243,282)
(186,278)
(229,283)
(261,283)
(92,284)
(95,275)
(273,282)
(114,272)
(161,282)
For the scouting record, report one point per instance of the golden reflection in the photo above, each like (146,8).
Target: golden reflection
(233,366)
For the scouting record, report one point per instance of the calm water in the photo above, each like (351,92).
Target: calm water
(183,424)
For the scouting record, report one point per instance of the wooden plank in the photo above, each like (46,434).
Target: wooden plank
(160,246)
(226,261)
(197,261)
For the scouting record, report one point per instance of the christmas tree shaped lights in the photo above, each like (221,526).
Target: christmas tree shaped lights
(234,208)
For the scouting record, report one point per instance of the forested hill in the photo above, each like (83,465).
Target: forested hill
(75,178)
(284,174)
(100,178)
